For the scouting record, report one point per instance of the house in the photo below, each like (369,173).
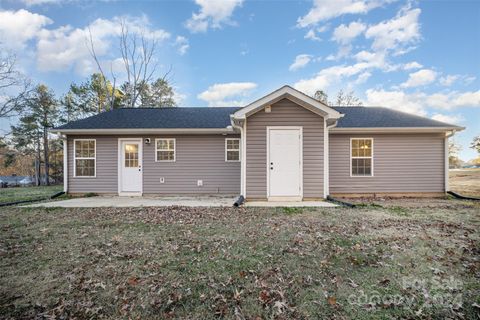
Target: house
(284,146)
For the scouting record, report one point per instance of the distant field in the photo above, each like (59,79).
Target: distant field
(465,181)
(27,193)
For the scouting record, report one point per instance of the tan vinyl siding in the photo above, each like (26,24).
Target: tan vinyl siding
(284,113)
(106,167)
(198,157)
(402,163)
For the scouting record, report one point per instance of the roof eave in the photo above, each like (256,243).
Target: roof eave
(395,129)
(226,130)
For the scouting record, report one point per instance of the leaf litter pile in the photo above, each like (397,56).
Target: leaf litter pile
(381,260)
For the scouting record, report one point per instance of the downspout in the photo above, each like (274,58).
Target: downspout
(243,152)
(326,148)
(447,164)
(65,162)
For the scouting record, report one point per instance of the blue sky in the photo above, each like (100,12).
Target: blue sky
(418,57)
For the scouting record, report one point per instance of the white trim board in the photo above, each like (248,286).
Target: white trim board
(371,158)
(286,92)
(74,173)
(145,131)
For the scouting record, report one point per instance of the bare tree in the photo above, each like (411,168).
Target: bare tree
(347,99)
(137,51)
(321,96)
(14,87)
(110,86)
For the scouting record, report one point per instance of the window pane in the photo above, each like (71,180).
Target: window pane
(233,144)
(165,144)
(362,167)
(233,155)
(165,155)
(85,148)
(84,167)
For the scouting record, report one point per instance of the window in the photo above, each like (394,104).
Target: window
(232,149)
(361,157)
(131,155)
(165,150)
(84,154)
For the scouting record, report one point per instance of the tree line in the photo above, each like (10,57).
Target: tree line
(29,148)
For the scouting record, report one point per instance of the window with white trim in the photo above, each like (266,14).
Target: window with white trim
(165,150)
(232,149)
(361,157)
(84,157)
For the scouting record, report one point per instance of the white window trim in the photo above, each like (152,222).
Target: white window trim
(371,157)
(82,158)
(174,150)
(239,149)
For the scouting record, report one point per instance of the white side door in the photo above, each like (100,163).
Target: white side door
(131,166)
(285,162)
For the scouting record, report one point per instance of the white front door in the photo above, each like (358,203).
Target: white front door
(130,166)
(285,162)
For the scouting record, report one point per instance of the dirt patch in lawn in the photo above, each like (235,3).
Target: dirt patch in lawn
(465,182)
(380,260)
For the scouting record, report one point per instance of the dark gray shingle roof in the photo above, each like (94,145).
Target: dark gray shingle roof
(207,118)
(154,118)
(380,117)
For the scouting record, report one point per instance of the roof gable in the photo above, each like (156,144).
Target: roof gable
(287,92)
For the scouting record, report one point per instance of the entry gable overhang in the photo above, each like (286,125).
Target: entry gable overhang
(287,92)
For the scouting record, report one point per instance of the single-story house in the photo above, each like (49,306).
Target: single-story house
(284,146)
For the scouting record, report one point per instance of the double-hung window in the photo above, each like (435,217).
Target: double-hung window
(361,151)
(165,150)
(232,149)
(84,151)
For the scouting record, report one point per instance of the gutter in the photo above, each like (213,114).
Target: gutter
(395,129)
(144,131)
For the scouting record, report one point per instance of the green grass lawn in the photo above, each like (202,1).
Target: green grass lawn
(27,193)
(389,259)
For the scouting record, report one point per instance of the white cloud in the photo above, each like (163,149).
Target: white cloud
(345,34)
(30,3)
(18,27)
(324,10)
(397,100)
(329,76)
(225,94)
(412,65)
(65,47)
(396,33)
(343,51)
(418,102)
(447,118)
(420,78)
(182,45)
(212,14)
(448,80)
(363,77)
(312,35)
(300,61)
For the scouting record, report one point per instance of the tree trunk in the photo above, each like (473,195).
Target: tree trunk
(45,156)
(37,163)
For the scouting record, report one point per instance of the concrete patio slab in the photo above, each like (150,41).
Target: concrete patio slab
(289,204)
(145,201)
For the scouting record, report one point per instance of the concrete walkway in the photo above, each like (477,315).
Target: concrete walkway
(291,204)
(146,201)
(155,201)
